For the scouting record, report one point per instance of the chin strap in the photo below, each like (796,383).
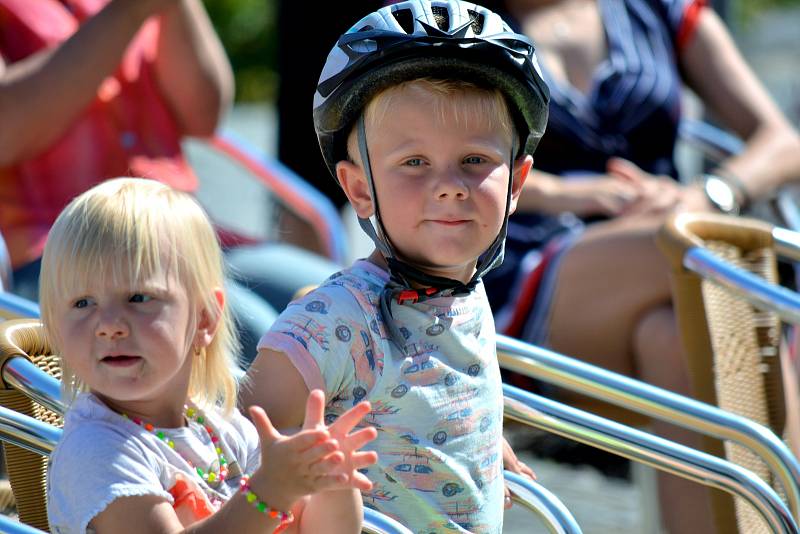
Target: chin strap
(408,284)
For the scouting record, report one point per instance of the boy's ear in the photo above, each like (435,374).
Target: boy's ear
(355,186)
(522,168)
(208,320)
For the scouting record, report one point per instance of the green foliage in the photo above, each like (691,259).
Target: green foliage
(745,10)
(247,30)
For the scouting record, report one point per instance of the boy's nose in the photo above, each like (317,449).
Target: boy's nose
(451,185)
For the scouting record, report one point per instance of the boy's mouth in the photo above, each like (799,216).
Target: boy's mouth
(450,222)
(121,360)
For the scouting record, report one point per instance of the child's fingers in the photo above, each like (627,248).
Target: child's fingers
(326,465)
(358,439)
(318,451)
(308,439)
(315,409)
(360,481)
(345,422)
(266,432)
(360,460)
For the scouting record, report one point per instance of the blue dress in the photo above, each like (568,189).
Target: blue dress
(631,111)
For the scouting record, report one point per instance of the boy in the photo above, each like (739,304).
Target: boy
(427,115)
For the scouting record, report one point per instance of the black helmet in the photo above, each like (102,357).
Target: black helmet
(444,39)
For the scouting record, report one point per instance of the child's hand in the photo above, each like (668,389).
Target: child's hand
(512,463)
(348,442)
(294,466)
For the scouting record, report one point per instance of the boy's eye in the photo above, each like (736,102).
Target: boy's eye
(474,160)
(139,297)
(414,162)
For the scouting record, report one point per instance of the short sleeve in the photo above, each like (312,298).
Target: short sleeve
(681,17)
(92,466)
(319,333)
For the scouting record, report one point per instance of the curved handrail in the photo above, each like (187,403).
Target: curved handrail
(5,266)
(377,523)
(28,432)
(14,307)
(751,287)
(543,503)
(9,526)
(638,396)
(309,203)
(657,452)
(22,374)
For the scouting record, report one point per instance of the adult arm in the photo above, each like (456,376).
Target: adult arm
(41,95)
(192,68)
(717,72)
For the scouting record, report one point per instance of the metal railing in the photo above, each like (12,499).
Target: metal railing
(40,437)
(652,401)
(14,307)
(642,447)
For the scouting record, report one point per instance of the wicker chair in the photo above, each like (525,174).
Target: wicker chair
(734,350)
(26,469)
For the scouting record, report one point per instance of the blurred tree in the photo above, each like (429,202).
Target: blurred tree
(745,10)
(247,29)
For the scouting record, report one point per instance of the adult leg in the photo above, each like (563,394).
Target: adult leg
(275,271)
(611,307)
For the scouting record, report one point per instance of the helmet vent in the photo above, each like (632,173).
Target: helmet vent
(405,19)
(366,28)
(442,17)
(477,21)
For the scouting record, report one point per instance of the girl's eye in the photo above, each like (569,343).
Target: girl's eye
(138,297)
(81,303)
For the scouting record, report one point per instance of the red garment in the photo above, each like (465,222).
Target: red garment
(126,131)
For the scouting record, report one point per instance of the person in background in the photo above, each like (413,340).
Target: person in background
(582,273)
(92,89)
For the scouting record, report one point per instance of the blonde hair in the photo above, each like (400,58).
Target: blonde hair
(126,228)
(458,102)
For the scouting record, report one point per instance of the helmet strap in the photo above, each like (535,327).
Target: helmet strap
(403,274)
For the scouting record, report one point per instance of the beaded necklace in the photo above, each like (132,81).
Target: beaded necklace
(197,416)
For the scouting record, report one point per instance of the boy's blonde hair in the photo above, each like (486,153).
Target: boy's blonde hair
(456,100)
(126,228)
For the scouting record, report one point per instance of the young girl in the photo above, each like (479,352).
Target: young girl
(131,299)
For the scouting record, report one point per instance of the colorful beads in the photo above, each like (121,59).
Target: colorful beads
(197,416)
(260,505)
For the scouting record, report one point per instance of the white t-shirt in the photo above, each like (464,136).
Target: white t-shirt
(103,456)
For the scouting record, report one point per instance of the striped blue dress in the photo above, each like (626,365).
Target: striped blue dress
(631,111)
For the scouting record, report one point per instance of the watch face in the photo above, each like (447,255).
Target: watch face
(721,195)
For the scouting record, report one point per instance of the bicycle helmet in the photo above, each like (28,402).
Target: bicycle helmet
(440,39)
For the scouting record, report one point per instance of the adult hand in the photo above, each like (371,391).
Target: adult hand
(349,442)
(599,195)
(657,194)
(513,464)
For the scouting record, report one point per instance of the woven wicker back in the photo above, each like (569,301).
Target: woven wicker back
(27,470)
(746,344)
(733,349)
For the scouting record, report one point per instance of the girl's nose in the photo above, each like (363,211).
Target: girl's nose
(112,327)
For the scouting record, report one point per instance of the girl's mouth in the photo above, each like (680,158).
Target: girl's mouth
(121,361)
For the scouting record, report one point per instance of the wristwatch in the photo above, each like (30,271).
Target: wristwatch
(723,194)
